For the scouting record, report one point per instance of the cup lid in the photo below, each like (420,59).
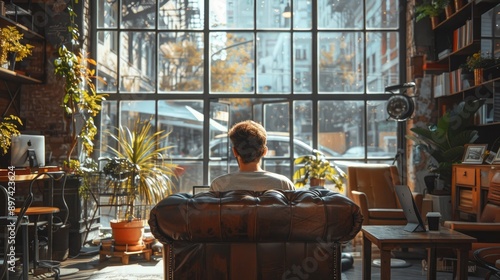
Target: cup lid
(433,214)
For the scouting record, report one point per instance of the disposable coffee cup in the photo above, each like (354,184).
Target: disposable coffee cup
(433,220)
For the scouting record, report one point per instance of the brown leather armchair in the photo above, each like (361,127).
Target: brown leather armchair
(254,235)
(487,230)
(371,186)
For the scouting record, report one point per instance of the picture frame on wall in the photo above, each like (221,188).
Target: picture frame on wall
(474,153)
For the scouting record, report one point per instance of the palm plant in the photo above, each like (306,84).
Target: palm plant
(445,141)
(149,176)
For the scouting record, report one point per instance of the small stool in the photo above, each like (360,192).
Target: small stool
(38,211)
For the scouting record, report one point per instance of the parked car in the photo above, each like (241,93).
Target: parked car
(359,152)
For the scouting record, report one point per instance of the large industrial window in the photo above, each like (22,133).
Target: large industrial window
(313,72)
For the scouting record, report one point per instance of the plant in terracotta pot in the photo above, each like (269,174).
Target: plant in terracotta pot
(10,43)
(139,177)
(316,170)
(477,62)
(431,9)
(445,141)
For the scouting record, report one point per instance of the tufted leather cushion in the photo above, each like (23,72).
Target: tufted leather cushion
(254,235)
(273,215)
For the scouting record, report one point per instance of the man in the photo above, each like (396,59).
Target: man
(249,141)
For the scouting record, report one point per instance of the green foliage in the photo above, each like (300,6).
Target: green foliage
(317,166)
(80,98)
(445,141)
(430,8)
(139,156)
(10,42)
(8,128)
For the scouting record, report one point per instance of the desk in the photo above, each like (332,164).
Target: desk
(387,238)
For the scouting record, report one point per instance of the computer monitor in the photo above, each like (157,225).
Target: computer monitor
(413,218)
(27,151)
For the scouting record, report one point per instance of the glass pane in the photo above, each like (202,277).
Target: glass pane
(302,14)
(231,14)
(340,62)
(107,67)
(302,63)
(180,14)
(382,133)
(190,174)
(340,14)
(232,62)
(273,62)
(302,123)
(276,118)
(341,127)
(107,14)
(382,60)
(109,122)
(138,14)
(273,14)
(184,120)
(137,62)
(180,65)
(382,14)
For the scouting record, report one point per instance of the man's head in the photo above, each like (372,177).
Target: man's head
(249,140)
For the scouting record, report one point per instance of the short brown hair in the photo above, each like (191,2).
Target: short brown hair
(249,139)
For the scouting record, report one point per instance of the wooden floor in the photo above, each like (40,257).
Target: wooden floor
(88,262)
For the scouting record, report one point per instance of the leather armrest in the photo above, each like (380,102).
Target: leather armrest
(362,201)
(472,226)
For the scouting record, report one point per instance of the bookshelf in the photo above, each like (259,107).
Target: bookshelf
(458,36)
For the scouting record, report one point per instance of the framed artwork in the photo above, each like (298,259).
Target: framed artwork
(474,153)
(496,159)
(490,158)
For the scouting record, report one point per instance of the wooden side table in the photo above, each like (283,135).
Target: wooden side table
(387,238)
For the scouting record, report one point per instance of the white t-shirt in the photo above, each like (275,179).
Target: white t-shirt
(252,181)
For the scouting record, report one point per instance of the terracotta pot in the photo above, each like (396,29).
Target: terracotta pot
(478,76)
(448,10)
(316,182)
(127,233)
(434,22)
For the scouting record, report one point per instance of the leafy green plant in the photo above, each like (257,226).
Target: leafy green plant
(8,128)
(445,141)
(430,8)
(10,42)
(478,60)
(317,166)
(150,177)
(80,99)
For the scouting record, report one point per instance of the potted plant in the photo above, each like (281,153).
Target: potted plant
(431,9)
(11,48)
(477,62)
(8,128)
(145,177)
(445,141)
(316,169)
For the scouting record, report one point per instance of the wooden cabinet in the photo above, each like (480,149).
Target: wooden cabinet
(469,189)
(467,31)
